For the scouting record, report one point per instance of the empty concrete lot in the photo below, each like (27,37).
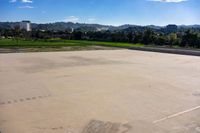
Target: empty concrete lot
(111,91)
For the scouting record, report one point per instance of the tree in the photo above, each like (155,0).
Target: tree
(130,36)
(190,39)
(137,37)
(77,35)
(172,39)
(148,37)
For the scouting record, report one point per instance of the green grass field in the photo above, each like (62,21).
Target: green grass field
(5,43)
(22,45)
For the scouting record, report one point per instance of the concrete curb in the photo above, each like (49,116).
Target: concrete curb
(168,50)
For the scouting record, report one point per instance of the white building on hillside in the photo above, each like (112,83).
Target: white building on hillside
(25,25)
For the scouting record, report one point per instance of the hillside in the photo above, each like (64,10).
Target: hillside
(62,26)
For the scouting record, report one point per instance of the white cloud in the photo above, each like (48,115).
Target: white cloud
(23,1)
(26,7)
(13,1)
(27,1)
(168,1)
(72,19)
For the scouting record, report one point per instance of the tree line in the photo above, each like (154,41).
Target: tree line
(171,37)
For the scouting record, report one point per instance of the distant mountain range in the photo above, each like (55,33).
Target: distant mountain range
(62,26)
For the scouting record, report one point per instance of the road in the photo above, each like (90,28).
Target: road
(104,91)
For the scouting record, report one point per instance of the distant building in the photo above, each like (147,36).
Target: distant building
(72,30)
(69,29)
(171,28)
(25,25)
(101,29)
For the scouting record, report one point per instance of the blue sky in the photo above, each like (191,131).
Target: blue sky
(110,12)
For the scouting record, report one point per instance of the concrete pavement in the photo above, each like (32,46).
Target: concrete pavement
(111,91)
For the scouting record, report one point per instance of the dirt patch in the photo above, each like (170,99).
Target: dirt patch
(197,94)
(96,126)
(40,64)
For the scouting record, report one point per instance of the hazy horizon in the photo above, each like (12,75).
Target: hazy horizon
(104,12)
(98,23)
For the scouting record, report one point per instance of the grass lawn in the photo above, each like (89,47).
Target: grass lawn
(4,43)
(20,45)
